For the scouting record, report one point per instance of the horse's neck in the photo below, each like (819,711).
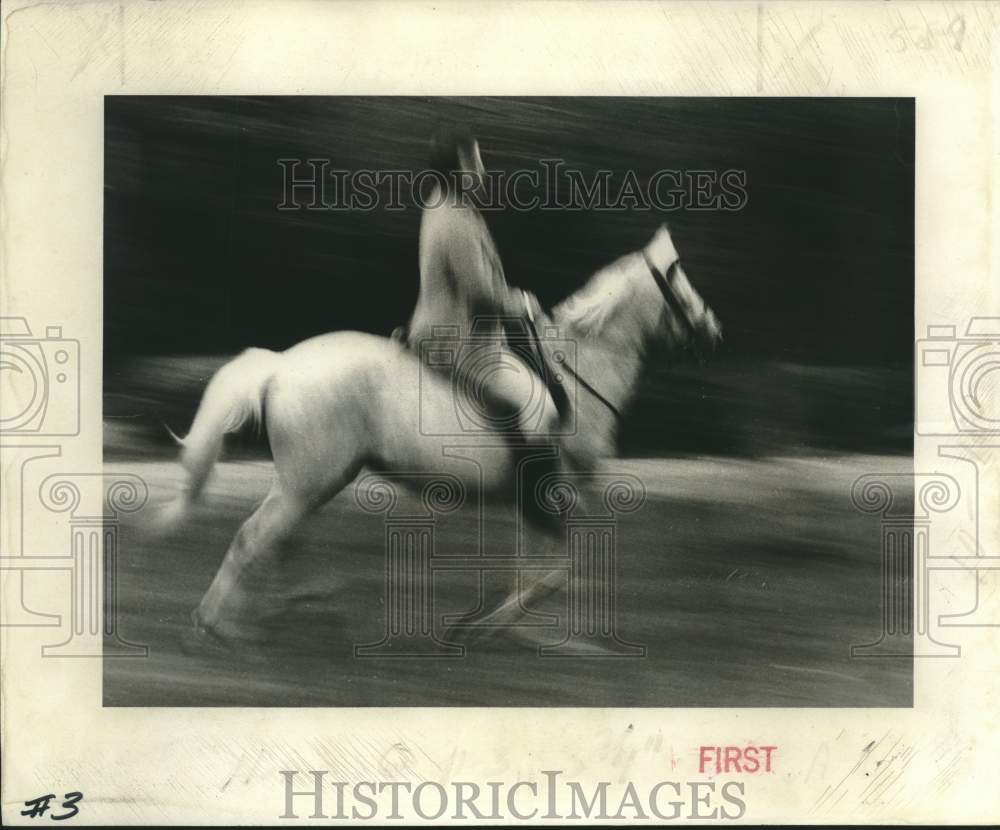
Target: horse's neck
(609,321)
(611,370)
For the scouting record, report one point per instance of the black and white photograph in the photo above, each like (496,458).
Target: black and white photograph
(516,414)
(523,413)
(507,401)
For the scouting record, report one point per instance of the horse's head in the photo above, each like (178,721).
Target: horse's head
(623,310)
(640,299)
(686,318)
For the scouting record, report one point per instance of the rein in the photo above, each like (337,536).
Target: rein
(570,369)
(530,318)
(665,284)
(614,409)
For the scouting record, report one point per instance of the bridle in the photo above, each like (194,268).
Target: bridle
(666,286)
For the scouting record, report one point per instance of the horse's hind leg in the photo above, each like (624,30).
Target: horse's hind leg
(230,603)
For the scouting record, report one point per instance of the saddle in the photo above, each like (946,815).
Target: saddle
(522,338)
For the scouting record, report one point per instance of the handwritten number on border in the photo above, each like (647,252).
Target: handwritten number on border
(38,807)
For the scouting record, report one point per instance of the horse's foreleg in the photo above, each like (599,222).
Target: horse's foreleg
(230,602)
(536,585)
(506,597)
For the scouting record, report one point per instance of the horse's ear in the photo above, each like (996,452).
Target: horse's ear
(661,248)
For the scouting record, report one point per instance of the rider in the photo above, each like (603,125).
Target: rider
(462,284)
(461,277)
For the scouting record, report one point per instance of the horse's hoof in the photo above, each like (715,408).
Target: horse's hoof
(504,627)
(168,518)
(203,640)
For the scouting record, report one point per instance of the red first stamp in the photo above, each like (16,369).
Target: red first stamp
(723,760)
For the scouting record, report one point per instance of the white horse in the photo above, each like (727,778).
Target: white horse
(339,402)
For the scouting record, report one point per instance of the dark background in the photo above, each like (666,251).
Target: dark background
(813,279)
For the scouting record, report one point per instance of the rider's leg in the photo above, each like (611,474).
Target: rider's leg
(519,395)
(515,388)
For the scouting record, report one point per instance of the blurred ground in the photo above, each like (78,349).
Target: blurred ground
(747,580)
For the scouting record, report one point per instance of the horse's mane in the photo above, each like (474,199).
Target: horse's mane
(589,310)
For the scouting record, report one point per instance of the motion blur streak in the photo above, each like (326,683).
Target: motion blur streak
(749,575)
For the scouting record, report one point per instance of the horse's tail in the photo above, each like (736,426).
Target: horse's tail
(234,397)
